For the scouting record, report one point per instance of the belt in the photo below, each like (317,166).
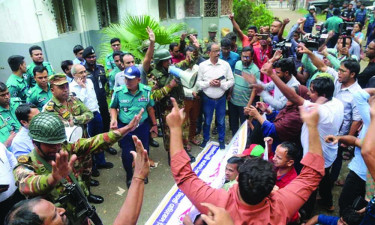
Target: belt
(213,98)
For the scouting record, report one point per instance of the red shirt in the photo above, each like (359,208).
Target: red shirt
(246,42)
(277,208)
(177,59)
(285,179)
(260,58)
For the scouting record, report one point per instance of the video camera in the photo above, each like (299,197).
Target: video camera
(313,42)
(284,46)
(345,31)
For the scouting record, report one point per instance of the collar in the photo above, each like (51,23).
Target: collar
(57,102)
(218,62)
(40,90)
(140,89)
(19,79)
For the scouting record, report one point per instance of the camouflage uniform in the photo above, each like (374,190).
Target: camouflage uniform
(161,94)
(31,175)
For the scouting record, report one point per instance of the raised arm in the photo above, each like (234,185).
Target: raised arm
(314,59)
(287,92)
(236,27)
(150,51)
(281,31)
(368,146)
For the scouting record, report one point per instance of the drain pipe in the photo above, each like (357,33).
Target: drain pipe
(38,14)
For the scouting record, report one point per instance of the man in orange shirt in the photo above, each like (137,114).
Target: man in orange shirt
(251,39)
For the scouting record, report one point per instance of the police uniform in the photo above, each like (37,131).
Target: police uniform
(129,105)
(30,75)
(17,87)
(38,96)
(110,62)
(99,79)
(31,175)
(8,119)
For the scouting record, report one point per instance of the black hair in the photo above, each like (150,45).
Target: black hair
(252,27)
(3,87)
(351,217)
(15,61)
(347,38)
(34,47)
(22,213)
(23,111)
(336,12)
(286,64)
(113,40)
(209,46)
(77,49)
(360,26)
(117,53)
(352,65)
(324,86)
(39,69)
(248,49)
(236,160)
(65,65)
(256,180)
(232,36)
(191,48)
(124,54)
(172,45)
(292,150)
(225,42)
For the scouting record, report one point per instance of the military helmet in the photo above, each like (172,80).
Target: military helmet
(145,44)
(212,28)
(47,128)
(192,31)
(161,54)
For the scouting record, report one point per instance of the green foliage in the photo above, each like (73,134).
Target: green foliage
(247,12)
(319,17)
(132,32)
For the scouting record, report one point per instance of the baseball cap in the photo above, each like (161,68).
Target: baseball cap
(132,72)
(57,79)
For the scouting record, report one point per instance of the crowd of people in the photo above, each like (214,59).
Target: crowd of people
(310,105)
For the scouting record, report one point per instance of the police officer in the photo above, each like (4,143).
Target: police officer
(126,102)
(109,61)
(16,82)
(52,163)
(36,55)
(41,93)
(360,15)
(9,124)
(308,24)
(166,86)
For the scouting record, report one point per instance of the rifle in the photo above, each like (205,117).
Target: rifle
(78,200)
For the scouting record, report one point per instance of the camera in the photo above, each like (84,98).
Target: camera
(346,28)
(313,42)
(284,46)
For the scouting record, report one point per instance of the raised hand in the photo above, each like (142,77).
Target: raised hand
(151,35)
(142,165)
(310,115)
(216,216)
(62,166)
(134,123)
(176,117)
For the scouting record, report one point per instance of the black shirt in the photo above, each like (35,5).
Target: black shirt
(366,74)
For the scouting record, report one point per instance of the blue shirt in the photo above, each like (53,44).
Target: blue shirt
(22,144)
(328,220)
(77,61)
(232,59)
(357,165)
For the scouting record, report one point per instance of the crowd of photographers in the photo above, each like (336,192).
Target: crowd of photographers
(305,98)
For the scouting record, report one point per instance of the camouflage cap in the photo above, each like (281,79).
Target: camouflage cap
(57,79)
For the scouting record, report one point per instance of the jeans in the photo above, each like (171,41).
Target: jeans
(127,145)
(209,106)
(236,117)
(94,127)
(354,186)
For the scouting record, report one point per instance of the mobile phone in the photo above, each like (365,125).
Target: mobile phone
(221,78)
(263,36)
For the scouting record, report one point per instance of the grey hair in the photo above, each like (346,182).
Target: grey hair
(73,70)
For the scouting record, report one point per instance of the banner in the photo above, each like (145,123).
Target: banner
(209,166)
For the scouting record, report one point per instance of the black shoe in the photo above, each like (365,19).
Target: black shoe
(95,173)
(128,183)
(154,143)
(95,199)
(146,180)
(192,158)
(94,183)
(111,151)
(107,165)
(214,131)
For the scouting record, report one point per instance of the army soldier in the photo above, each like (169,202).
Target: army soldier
(9,124)
(166,86)
(41,93)
(16,83)
(126,102)
(212,30)
(52,164)
(36,55)
(109,61)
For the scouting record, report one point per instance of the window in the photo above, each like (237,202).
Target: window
(210,8)
(167,9)
(226,7)
(108,12)
(192,8)
(64,15)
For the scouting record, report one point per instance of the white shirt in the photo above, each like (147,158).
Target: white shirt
(278,101)
(7,163)
(208,72)
(86,95)
(331,115)
(22,144)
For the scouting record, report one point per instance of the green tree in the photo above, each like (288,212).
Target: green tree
(247,12)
